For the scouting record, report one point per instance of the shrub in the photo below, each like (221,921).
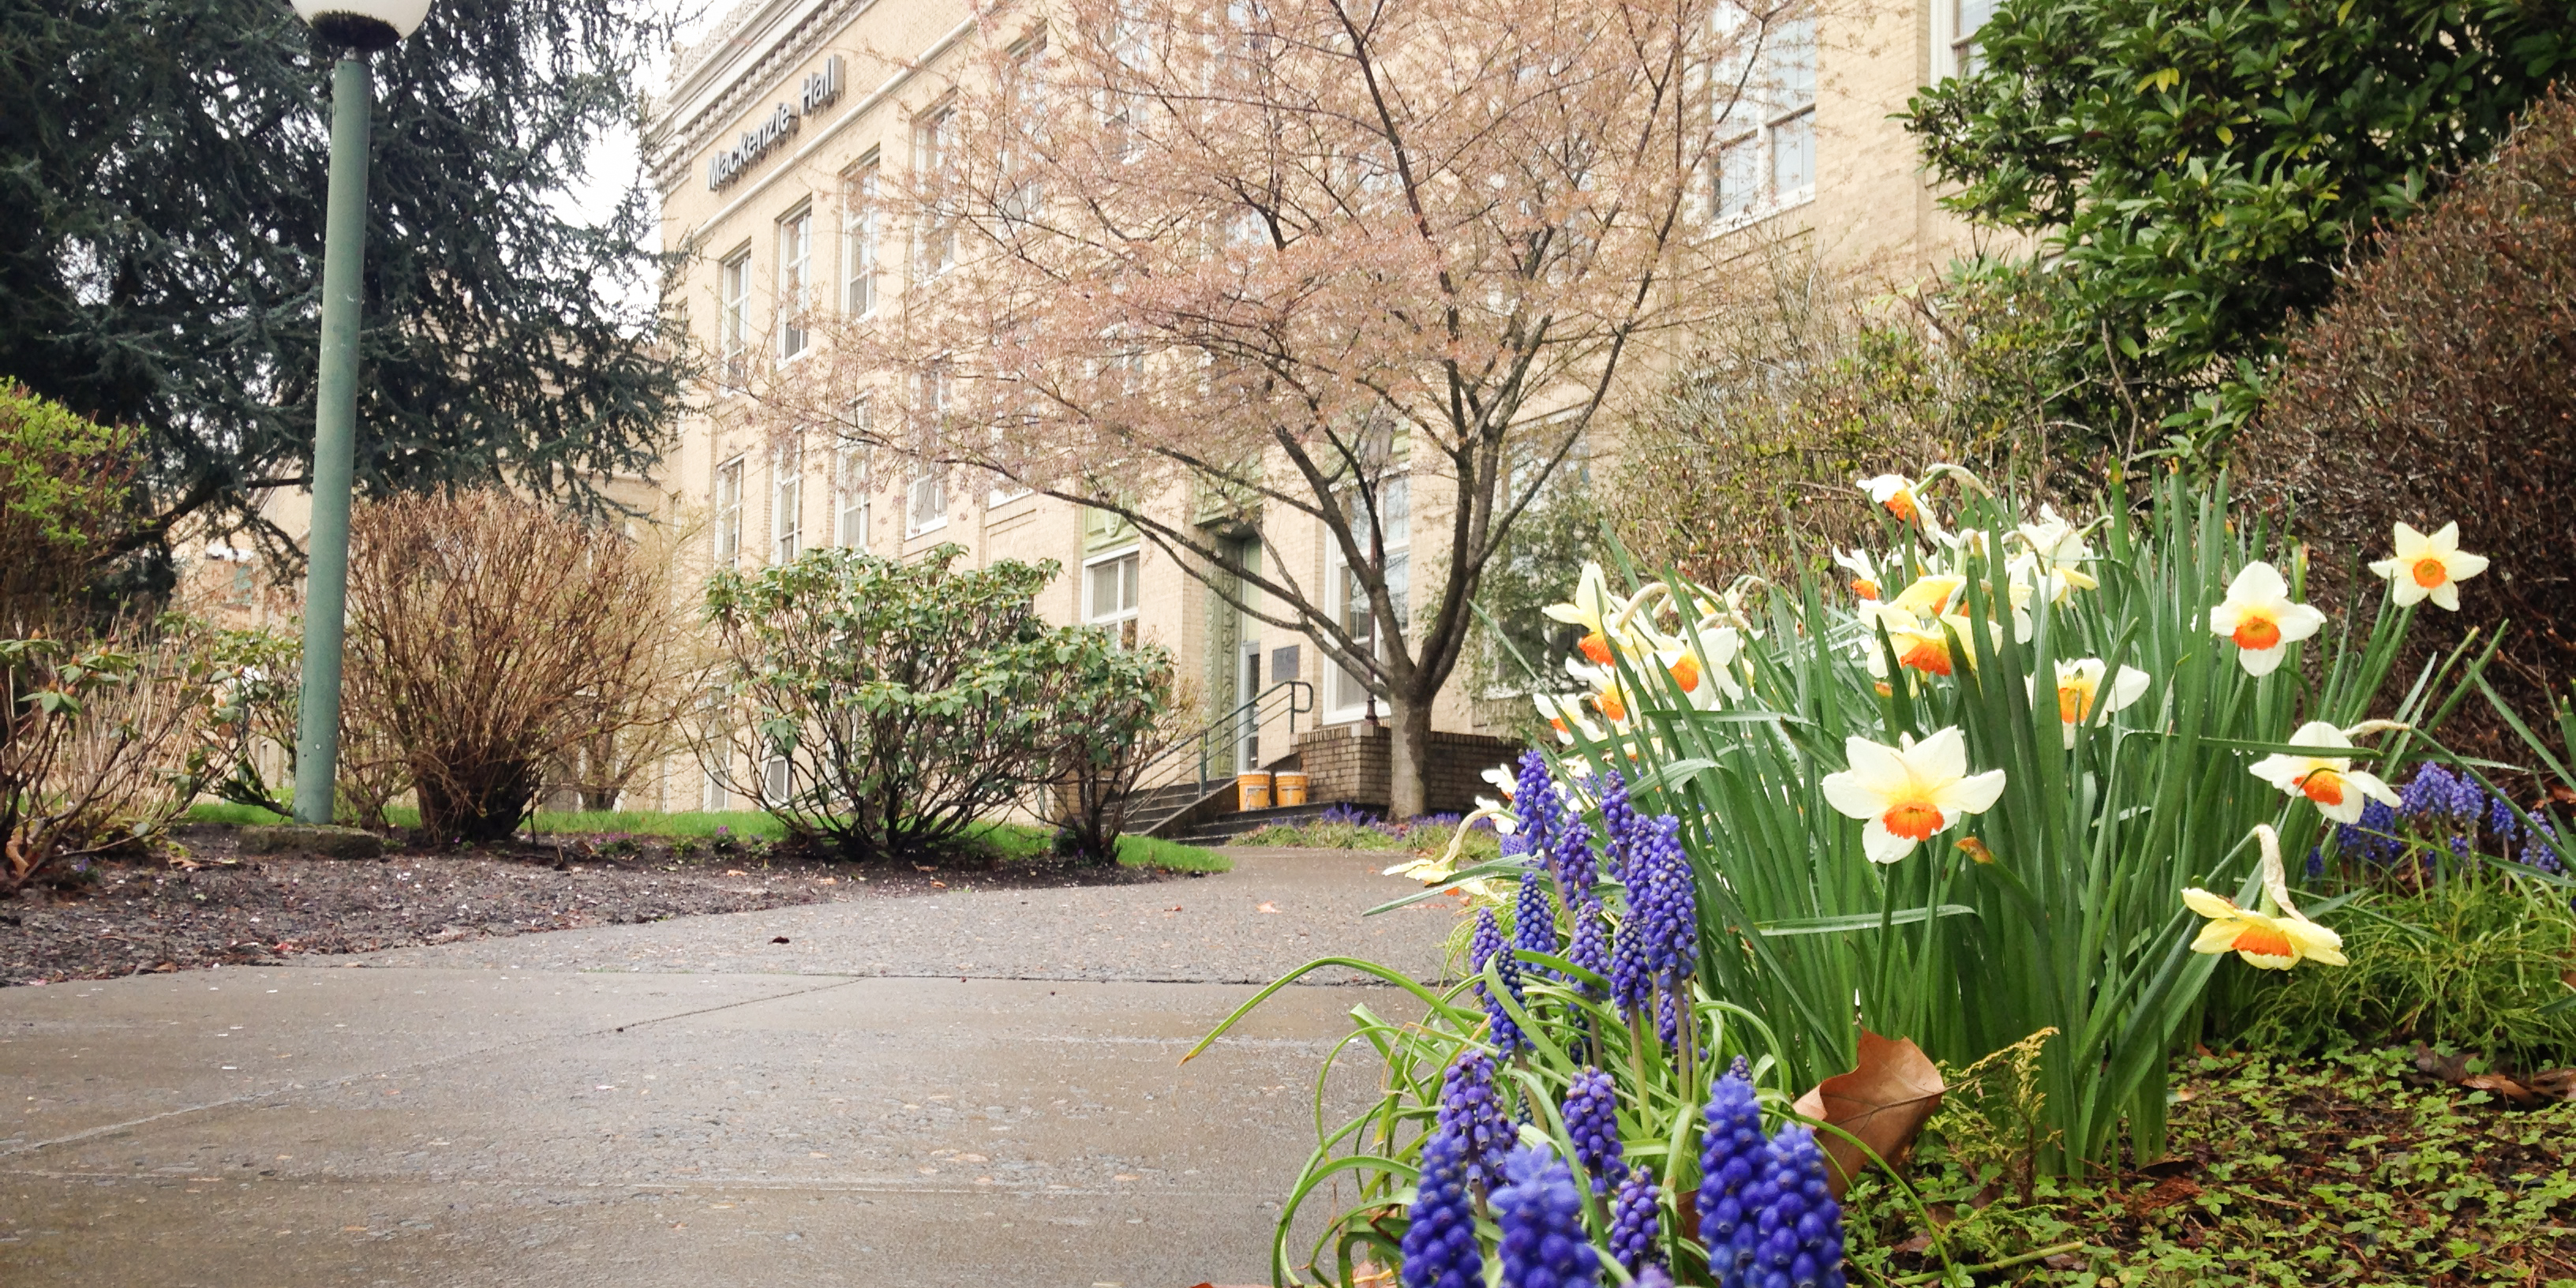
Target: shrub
(2440,383)
(95,751)
(1112,709)
(64,487)
(489,636)
(885,707)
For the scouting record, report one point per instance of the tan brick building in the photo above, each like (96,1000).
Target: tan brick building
(777,125)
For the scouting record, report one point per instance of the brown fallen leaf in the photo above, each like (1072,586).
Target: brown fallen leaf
(1884,1103)
(2449,1068)
(2502,1086)
(2560,1083)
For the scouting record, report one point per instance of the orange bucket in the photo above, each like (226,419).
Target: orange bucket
(1252,791)
(1290,789)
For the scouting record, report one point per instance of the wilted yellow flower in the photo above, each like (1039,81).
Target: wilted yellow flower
(2276,937)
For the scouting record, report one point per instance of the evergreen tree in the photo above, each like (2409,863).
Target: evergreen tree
(163,169)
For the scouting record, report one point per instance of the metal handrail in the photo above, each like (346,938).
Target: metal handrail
(1301,701)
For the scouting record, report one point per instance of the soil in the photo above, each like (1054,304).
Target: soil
(205,903)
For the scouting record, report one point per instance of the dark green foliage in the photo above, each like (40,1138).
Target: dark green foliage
(887,707)
(2200,170)
(162,172)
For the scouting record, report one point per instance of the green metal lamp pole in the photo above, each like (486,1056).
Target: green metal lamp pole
(335,446)
(356,28)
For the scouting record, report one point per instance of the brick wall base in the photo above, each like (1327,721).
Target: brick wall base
(1350,762)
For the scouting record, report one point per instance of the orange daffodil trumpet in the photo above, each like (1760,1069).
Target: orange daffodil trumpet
(1895,493)
(2083,697)
(2338,789)
(2275,936)
(2429,567)
(1911,792)
(1865,583)
(2260,617)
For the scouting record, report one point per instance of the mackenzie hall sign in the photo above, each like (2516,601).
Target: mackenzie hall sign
(820,89)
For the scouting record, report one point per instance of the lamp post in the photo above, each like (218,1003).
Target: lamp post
(358,28)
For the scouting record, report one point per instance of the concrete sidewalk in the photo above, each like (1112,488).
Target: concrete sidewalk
(678,1104)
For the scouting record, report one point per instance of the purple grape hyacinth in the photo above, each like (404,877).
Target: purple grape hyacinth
(1658,945)
(1487,946)
(1636,1225)
(1543,1242)
(1799,1234)
(1620,826)
(1471,1111)
(1440,1249)
(1534,916)
(2372,838)
(1592,1120)
(1734,1161)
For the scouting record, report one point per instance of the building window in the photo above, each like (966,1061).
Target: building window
(728,508)
(731,323)
(861,226)
(1966,19)
(795,280)
(934,142)
(850,497)
(1350,697)
(1770,160)
(786,500)
(1109,593)
(926,494)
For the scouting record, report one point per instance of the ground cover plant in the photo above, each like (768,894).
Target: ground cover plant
(2349,1167)
(1348,827)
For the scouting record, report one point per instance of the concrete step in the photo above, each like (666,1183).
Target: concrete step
(1227,826)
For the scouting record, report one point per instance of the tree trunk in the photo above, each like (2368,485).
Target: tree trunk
(1408,757)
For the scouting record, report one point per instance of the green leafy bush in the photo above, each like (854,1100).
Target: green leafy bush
(2198,173)
(96,746)
(65,485)
(1112,710)
(885,707)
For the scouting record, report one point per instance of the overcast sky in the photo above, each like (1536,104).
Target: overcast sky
(618,160)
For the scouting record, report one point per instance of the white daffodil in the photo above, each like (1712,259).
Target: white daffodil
(1895,492)
(1865,583)
(1911,792)
(2329,780)
(2275,937)
(2429,567)
(1593,608)
(2083,698)
(2061,551)
(2260,617)
(1563,716)
(1504,779)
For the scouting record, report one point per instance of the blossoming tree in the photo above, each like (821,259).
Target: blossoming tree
(1252,276)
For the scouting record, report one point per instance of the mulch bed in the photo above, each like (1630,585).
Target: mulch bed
(213,905)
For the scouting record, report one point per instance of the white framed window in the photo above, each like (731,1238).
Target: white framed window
(786,499)
(1955,51)
(732,321)
(934,142)
(727,504)
(926,491)
(1767,160)
(862,229)
(795,280)
(1110,592)
(850,492)
(1348,697)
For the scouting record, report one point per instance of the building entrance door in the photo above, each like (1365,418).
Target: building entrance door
(1247,683)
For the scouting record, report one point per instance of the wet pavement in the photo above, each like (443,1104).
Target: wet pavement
(970,1088)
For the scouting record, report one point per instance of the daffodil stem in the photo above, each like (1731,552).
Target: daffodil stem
(2035,1254)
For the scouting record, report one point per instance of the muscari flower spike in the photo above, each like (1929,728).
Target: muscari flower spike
(1798,1236)
(1592,1120)
(1534,916)
(1543,1242)
(1471,1111)
(1636,1225)
(1571,859)
(1440,1249)
(1487,946)
(1591,946)
(2373,837)
(1734,1161)
(1620,827)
